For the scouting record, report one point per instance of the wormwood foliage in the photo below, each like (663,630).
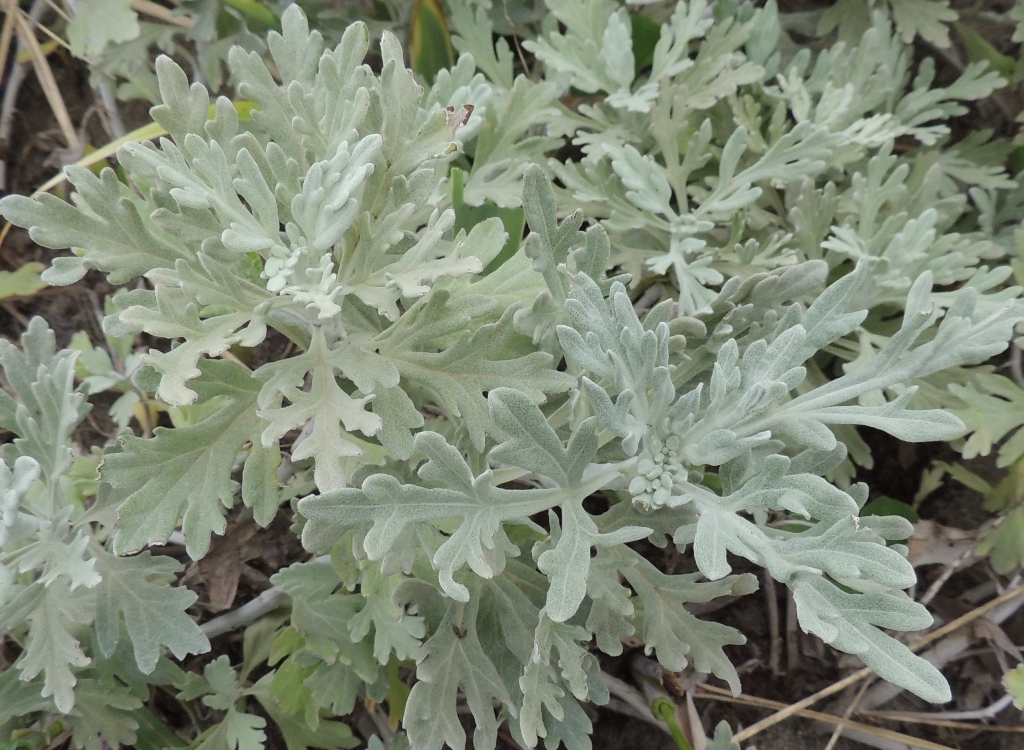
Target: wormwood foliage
(474,430)
(715,151)
(71,604)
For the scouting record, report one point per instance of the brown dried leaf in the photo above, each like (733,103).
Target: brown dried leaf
(932,543)
(222,567)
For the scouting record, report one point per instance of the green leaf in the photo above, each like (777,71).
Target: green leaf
(298,735)
(645,34)
(174,316)
(104,716)
(478,541)
(430,47)
(459,375)
(611,606)
(49,410)
(509,142)
(335,686)
(21,282)
(980,49)
(568,564)
(138,590)
(467,217)
(723,738)
(256,11)
(14,485)
(324,622)
(19,698)
(993,408)
(153,733)
(186,472)
(112,235)
(454,661)
(670,630)
(532,444)
(335,413)
(394,629)
(887,506)
(926,18)
(550,241)
(559,658)
(1013,681)
(1004,545)
(238,730)
(243,731)
(52,649)
(95,24)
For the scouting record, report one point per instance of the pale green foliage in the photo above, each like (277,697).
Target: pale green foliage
(723,738)
(1014,682)
(56,576)
(1017,14)
(363,238)
(720,159)
(991,413)
(97,23)
(474,430)
(795,123)
(110,368)
(928,19)
(23,281)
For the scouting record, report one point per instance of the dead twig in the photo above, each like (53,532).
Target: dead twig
(710,692)
(947,572)
(838,731)
(948,718)
(161,13)
(247,614)
(15,79)
(853,679)
(45,76)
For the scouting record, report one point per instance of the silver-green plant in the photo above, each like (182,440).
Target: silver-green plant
(91,626)
(474,498)
(727,150)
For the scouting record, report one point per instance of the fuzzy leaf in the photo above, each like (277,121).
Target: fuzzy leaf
(851,622)
(334,412)
(670,630)
(46,409)
(52,649)
(454,661)
(112,235)
(186,472)
(461,373)
(97,23)
(138,590)
(479,541)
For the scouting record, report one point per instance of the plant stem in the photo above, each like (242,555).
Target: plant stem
(665,710)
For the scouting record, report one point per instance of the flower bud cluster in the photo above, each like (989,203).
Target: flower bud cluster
(658,470)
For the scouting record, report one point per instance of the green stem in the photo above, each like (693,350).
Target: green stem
(665,710)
